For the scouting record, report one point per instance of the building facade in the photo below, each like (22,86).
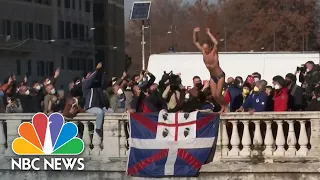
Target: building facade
(38,36)
(109,35)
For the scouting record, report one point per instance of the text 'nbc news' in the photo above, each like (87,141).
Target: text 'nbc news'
(47,164)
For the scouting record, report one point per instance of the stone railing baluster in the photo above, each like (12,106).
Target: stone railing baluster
(246,139)
(280,140)
(2,139)
(257,138)
(111,146)
(303,139)
(12,133)
(291,140)
(96,143)
(224,138)
(268,139)
(122,139)
(235,139)
(217,154)
(86,138)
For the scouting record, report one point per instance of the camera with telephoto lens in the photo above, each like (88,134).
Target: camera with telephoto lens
(174,81)
(302,68)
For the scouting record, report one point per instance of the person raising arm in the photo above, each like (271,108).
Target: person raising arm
(209,51)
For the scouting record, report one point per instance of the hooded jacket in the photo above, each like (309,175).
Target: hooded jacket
(92,93)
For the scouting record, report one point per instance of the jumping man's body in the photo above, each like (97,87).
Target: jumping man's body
(211,60)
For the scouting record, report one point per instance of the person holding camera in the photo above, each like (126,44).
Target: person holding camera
(307,77)
(144,98)
(13,106)
(173,95)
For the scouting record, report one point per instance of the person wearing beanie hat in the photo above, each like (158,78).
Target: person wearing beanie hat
(296,101)
(280,95)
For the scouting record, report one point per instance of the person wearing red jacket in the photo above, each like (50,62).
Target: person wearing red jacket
(280,94)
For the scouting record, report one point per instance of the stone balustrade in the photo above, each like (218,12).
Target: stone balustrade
(261,137)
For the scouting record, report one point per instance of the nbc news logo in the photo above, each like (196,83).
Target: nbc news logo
(47,136)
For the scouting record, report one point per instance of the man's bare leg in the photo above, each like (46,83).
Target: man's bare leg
(216,93)
(220,96)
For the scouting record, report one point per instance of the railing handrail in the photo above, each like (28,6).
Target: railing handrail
(228,116)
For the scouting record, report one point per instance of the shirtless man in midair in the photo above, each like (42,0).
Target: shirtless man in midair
(211,60)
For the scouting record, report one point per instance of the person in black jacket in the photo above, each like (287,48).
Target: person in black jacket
(145,99)
(296,100)
(315,102)
(92,88)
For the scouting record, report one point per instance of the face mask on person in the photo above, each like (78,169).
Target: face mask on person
(308,70)
(53,91)
(27,92)
(1,93)
(199,85)
(38,87)
(77,83)
(119,92)
(256,79)
(240,84)
(48,82)
(256,89)
(245,91)
(276,87)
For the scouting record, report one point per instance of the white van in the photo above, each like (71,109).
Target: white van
(268,64)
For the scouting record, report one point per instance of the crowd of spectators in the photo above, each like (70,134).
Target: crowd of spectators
(93,93)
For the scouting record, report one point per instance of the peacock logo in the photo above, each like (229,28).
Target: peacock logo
(48,136)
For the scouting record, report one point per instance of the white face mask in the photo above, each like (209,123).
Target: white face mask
(240,84)
(120,91)
(78,82)
(38,87)
(48,82)
(53,91)
(75,102)
(187,96)
(256,79)
(277,87)
(27,92)
(308,70)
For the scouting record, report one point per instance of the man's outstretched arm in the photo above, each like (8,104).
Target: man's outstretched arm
(196,39)
(213,39)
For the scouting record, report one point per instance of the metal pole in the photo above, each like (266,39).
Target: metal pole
(150,37)
(307,42)
(225,38)
(142,43)
(303,43)
(274,41)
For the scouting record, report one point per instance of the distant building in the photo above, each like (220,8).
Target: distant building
(32,24)
(109,35)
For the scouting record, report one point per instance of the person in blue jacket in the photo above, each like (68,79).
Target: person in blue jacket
(257,101)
